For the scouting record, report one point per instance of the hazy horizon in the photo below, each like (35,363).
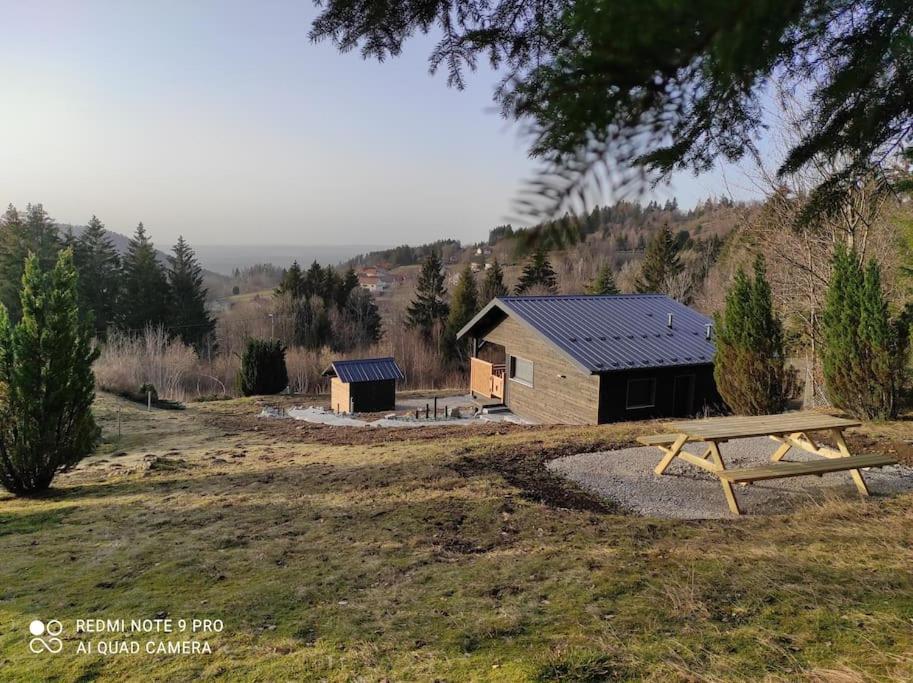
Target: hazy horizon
(222,122)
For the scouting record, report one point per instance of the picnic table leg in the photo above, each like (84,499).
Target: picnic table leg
(784,448)
(856,474)
(670,454)
(727,487)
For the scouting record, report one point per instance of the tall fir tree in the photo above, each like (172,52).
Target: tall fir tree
(292,283)
(493,284)
(46,422)
(429,309)
(464,304)
(863,350)
(364,319)
(661,263)
(33,233)
(145,294)
(188,317)
(348,285)
(538,274)
(99,267)
(604,282)
(750,365)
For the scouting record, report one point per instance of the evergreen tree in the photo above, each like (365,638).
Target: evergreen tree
(314,281)
(750,364)
(188,318)
(493,285)
(98,264)
(46,382)
(464,304)
(538,274)
(349,284)
(364,318)
(263,370)
(429,308)
(661,263)
(604,282)
(863,352)
(313,329)
(146,297)
(292,282)
(35,233)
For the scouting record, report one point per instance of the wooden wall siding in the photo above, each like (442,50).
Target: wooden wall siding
(561,392)
(614,385)
(339,396)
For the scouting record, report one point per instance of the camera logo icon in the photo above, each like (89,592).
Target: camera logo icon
(46,636)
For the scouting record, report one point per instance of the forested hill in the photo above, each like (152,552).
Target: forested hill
(626,225)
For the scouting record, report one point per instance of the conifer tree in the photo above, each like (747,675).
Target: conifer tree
(34,233)
(429,308)
(364,318)
(464,304)
(538,274)
(604,283)
(146,296)
(46,382)
(188,317)
(314,281)
(750,364)
(493,285)
(863,352)
(292,282)
(98,264)
(661,263)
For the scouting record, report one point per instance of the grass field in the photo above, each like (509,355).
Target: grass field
(345,554)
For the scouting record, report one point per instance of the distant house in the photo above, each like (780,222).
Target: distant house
(365,385)
(592,359)
(375,279)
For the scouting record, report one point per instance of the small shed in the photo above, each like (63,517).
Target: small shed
(366,385)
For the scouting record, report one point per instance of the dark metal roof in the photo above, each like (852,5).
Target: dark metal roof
(364,370)
(606,333)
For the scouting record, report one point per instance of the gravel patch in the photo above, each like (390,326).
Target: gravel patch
(686,492)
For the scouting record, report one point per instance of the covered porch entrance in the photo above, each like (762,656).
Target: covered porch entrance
(487,371)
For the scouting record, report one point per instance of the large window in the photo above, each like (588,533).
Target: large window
(521,370)
(641,393)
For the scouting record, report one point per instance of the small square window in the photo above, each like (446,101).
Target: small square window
(521,370)
(641,393)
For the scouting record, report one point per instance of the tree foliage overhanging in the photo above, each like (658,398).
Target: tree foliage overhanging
(657,86)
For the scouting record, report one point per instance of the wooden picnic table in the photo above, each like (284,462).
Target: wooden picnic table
(791,430)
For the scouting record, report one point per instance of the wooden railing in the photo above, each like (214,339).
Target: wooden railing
(486,379)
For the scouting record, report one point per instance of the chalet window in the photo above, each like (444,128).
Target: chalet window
(521,370)
(641,393)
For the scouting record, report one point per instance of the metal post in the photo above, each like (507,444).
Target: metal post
(426,411)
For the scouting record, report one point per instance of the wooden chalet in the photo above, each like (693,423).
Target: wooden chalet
(592,359)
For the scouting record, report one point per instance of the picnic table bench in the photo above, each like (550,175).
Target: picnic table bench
(791,430)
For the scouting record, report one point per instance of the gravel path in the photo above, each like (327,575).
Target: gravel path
(686,492)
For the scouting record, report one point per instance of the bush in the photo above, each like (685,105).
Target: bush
(750,364)
(263,368)
(46,382)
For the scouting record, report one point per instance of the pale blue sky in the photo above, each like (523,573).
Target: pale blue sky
(221,121)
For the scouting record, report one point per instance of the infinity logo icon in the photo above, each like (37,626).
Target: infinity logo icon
(51,643)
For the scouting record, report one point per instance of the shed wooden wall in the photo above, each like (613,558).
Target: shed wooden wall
(614,393)
(339,395)
(561,392)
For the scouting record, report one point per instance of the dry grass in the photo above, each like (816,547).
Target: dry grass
(408,558)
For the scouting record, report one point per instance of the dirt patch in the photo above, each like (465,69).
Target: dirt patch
(523,466)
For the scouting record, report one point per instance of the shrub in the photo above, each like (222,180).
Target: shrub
(263,368)
(46,382)
(750,365)
(863,350)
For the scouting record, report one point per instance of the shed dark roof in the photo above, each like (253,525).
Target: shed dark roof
(364,370)
(606,333)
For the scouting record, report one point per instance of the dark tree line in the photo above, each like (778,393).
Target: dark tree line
(127,293)
(328,309)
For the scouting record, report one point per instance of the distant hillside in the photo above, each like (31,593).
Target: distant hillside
(227,258)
